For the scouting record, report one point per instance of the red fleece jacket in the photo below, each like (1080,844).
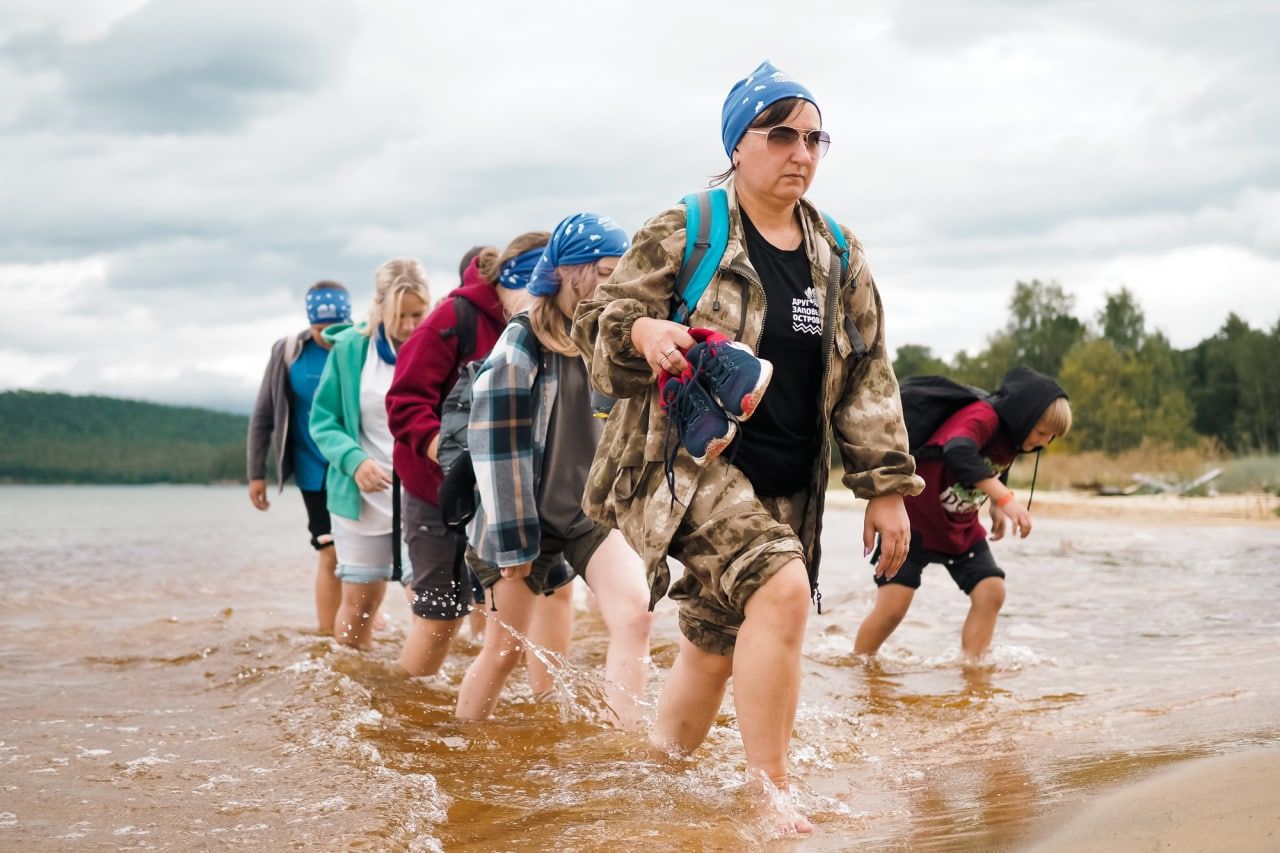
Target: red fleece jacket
(426,368)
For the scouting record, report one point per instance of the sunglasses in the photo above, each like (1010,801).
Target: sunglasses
(781,138)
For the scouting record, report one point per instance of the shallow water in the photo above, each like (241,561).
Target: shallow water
(161,688)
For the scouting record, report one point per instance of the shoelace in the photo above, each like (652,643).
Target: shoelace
(716,369)
(681,408)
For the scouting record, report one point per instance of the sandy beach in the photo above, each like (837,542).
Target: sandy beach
(1227,802)
(1257,508)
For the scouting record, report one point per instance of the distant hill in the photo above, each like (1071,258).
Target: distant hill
(60,438)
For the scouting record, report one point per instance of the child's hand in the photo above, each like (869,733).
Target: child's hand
(999,521)
(1019,516)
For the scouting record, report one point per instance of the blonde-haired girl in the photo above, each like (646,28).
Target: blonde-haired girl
(532,437)
(349,425)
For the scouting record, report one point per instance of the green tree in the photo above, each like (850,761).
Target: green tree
(1235,386)
(1121,321)
(1126,385)
(1041,327)
(917,360)
(986,368)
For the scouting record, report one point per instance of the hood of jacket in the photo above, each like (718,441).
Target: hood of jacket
(481,294)
(332,334)
(1021,399)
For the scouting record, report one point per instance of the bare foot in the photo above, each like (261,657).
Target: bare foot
(379,622)
(782,811)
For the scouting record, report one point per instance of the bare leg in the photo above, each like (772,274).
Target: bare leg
(892,602)
(980,625)
(690,699)
(328,588)
(427,645)
(353,626)
(488,673)
(475,622)
(552,629)
(766,672)
(616,576)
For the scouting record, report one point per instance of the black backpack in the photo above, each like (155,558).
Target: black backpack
(927,402)
(458,498)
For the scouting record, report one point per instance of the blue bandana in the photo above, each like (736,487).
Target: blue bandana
(579,239)
(385,351)
(766,85)
(515,273)
(328,305)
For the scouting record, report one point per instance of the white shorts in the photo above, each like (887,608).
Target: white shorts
(363,558)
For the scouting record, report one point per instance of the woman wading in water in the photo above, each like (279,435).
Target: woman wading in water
(747,531)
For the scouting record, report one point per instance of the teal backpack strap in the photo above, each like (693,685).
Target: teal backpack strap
(707,219)
(840,241)
(850,328)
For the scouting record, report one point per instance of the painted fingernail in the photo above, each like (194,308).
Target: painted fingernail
(866,552)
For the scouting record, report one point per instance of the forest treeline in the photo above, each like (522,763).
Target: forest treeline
(1128,384)
(60,438)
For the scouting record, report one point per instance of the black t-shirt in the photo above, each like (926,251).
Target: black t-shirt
(780,443)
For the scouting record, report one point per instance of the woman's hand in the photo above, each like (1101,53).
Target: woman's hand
(517,572)
(258,494)
(372,477)
(662,343)
(887,515)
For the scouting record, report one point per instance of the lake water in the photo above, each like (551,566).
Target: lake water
(162,687)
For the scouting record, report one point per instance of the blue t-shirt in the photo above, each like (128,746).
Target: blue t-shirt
(304,375)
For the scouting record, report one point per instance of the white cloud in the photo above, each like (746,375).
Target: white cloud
(168,239)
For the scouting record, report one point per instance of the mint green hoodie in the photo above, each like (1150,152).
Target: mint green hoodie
(335,416)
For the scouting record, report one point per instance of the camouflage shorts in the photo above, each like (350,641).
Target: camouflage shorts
(730,543)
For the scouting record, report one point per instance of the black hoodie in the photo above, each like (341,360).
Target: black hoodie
(1021,400)
(977,442)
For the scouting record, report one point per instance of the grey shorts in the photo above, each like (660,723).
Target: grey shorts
(554,567)
(441,586)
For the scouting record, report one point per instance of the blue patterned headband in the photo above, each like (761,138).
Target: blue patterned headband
(748,98)
(578,239)
(515,273)
(328,305)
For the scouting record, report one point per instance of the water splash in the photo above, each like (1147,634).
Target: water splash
(580,695)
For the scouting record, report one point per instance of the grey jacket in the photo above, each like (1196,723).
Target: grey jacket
(269,423)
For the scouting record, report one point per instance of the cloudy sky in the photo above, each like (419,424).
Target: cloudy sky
(175,173)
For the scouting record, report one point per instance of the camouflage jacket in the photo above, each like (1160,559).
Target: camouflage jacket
(627,489)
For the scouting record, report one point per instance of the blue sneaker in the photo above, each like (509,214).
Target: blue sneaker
(731,370)
(700,423)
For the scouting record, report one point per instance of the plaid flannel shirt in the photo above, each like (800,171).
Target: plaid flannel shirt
(511,404)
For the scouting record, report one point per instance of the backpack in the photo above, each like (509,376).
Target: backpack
(707,218)
(458,498)
(927,402)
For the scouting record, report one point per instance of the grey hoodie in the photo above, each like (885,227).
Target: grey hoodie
(269,423)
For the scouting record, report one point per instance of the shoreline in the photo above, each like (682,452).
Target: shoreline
(1256,509)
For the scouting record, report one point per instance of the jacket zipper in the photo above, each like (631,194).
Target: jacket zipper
(750,275)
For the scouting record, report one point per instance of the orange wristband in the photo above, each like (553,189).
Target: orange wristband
(1005,500)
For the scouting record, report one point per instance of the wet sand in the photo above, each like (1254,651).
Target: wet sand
(1228,802)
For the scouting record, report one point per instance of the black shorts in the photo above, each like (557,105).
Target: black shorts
(442,588)
(967,569)
(318,519)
